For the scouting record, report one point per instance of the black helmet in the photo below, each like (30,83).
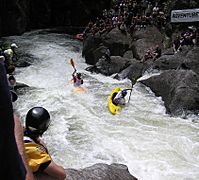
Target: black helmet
(124,92)
(11,77)
(79,75)
(37,120)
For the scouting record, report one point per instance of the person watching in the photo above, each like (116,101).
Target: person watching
(157,52)
(177,44)
(14,47)
(11,82)
(36,123)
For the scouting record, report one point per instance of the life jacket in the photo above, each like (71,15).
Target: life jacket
(37,154)
(119,99)
(118,95)
(77,82)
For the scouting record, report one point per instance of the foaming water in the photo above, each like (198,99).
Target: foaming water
(152,144)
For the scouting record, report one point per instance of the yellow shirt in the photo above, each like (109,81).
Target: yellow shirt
(9,52)
(36,155)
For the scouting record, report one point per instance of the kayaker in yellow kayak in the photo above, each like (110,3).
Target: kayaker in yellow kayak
(119,99)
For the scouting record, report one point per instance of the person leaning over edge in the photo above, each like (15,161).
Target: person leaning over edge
(13,165)
(36,123)
(14,47)
(11,82)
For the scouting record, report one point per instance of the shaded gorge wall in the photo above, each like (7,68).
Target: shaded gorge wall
(18,16)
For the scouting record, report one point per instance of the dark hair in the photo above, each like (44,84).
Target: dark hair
(79,75)
(10,69)
(11,77)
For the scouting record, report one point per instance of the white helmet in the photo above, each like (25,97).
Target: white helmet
(6,52)
(2,58)
(13,45)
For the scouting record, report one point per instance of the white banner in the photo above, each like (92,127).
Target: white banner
(185,15)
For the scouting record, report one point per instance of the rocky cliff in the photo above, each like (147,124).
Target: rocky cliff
(177,83)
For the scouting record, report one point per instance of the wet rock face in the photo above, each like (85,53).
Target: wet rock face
(187,59)
(98,171)
(178,88)
(19,16)
(101,172)
(117,42)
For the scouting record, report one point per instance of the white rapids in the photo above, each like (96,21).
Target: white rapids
(152,144)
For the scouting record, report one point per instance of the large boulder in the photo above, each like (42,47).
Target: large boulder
(145,39)
(117,41)
(94,46)
(98,171)
(133,71)
(116,65)
(191,60)
(126,52)
(188,58)
(101,172)
(167,62)
(178,88)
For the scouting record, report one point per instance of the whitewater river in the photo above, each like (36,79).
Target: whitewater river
(152,144)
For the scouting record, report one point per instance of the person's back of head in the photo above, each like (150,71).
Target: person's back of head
(10,69)
(37,121)
(12,81)
(11,77)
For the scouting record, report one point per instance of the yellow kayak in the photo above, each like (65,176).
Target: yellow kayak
(78,89)
(112,107)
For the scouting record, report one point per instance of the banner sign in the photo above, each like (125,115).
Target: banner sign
(185,15)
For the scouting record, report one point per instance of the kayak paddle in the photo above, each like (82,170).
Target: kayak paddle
(72,63)
(131,90)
